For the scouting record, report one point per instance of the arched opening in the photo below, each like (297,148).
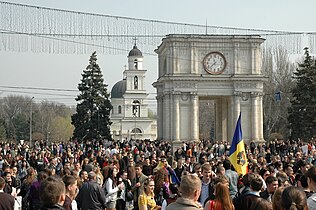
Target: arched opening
(136,83)
(136,108)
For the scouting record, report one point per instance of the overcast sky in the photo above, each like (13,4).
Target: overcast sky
(45,70)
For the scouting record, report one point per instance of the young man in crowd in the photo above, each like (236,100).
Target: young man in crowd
(207,187)
(244,202)
(52,194)
(190,189)
(6,200)
(137,183)
(272,186)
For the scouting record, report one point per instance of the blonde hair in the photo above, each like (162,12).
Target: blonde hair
(189,184)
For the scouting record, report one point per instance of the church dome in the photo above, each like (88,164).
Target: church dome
(135,52)
(118,89)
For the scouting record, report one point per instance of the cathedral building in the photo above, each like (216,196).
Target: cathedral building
(129,116)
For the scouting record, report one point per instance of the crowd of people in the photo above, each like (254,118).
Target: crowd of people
(147,175)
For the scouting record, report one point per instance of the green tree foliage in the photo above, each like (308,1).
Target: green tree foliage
(92,117)
(303,110)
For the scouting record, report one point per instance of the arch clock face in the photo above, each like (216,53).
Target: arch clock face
(214,63)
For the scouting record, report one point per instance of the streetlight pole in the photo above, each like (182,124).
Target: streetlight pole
(31,112)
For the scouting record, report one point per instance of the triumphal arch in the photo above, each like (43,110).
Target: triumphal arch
(223,68)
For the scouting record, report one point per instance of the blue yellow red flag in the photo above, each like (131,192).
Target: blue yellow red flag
(237,152)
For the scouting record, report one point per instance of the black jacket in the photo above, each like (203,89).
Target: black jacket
(91,196)
(54,207)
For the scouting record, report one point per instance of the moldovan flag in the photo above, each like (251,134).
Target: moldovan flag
(237,152)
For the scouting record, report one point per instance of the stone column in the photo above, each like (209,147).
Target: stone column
(176,118)
(160,118)
(166,117)
(260,117)
(194,117)
(254,116)
(218,120)
(237,96)
(224,119)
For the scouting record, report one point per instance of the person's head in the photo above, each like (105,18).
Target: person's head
(163,160)
(77,166)
(288,170)
(198,170)
(52,191)
(304,166)
(71,185)
(84,175)
(256,183)
(226,164)
(264,173)
(282,179)
(174,188)
(112,172)
(293,199)
(206,171)
(147,161)
(221,192)
(272,184)
(7,176)
(138,169)
(221,179)
(2,183)
(302,181)
(220,170)
(190,187)
(92,175)
(30,171)
(149,186)
(311,178)
(179,163)
(261,204)
(276,198)
(124,175)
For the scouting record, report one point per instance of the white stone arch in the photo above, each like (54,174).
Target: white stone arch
(183,81)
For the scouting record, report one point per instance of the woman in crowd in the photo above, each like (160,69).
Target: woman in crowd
(293,198)
(100,178)
(111,188)
(261,204)
(146,199)
(172,197)
(35,202)
(222,199)
(71,186)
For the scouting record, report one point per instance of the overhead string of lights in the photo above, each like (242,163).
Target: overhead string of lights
(40,29)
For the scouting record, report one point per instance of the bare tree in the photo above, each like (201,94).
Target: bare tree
(279,69)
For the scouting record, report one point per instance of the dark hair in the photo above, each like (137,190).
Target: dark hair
(2,182)
(226,164)
(293,199)
(174,188)
(263,171)
(311,173)
(271,179)
(69,180)
(111,175)
(256,183)
(303,180)
(261,204)
(50,191)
